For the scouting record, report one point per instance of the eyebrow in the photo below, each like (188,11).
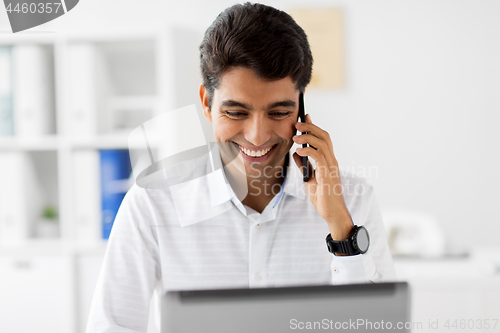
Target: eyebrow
(233,103)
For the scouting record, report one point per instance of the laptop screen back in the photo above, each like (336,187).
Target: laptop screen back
(359,308)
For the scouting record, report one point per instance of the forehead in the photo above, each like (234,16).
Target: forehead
(242,84)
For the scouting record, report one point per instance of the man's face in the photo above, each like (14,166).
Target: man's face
(253,120)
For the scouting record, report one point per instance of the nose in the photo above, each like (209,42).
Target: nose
(258,130)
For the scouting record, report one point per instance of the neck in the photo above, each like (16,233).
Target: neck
(259,191)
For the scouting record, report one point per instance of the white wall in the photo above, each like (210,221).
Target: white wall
(420,104)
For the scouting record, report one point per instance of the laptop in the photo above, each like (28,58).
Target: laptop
(354,307)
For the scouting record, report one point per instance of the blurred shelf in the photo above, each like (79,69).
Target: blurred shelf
(110,141)
(40,143)
(35,246)
(50,37)
(53,246)
(29,37)
(111,36)
(54,142)
(99,248)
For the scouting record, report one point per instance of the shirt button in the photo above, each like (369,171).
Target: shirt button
(258,226)
(335,270)
(257,276)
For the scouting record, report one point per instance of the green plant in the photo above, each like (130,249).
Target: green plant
(49,212)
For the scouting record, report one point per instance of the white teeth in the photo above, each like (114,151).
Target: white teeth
(255,153)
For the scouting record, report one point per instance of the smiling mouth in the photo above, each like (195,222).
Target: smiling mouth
(255,153)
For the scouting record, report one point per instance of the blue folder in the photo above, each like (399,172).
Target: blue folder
(115,170)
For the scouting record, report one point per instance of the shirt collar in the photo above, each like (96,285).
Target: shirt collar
(294,185)
(217,187)
(221,191)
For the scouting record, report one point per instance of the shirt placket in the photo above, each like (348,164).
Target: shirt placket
(260,239)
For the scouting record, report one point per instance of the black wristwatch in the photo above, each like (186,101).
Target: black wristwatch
(357,242)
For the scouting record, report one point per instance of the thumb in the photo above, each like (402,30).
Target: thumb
(298,161)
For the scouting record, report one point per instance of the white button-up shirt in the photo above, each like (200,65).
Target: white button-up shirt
(205,238)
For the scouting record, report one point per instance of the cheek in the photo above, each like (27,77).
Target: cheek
(288,130)
(223,129)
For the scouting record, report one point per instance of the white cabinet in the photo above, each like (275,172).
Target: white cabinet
(88,267)
(454,295)
(101,86)
(34,293)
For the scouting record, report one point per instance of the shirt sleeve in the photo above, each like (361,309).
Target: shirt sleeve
(376,264)
(130,271)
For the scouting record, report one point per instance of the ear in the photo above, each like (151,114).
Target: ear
(204,103)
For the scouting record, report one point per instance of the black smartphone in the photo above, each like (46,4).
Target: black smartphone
(302,118)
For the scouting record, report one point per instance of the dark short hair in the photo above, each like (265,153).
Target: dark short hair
(258,37)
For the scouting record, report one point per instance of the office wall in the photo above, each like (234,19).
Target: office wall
(420,102)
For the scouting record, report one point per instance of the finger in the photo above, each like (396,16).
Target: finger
(317,144)
(310,139)
(298,162)
(310,128)
(314,154)
(308,119)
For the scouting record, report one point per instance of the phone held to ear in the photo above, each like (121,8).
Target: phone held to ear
(306,167)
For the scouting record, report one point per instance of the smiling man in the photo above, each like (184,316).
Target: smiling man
(255,62)
(258,116)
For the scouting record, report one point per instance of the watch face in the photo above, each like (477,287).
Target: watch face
(362,240)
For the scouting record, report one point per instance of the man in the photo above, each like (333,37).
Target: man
(255,62)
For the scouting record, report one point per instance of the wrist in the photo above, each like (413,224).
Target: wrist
(340,229)
(356,243)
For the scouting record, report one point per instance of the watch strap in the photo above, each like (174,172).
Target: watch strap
(343,247)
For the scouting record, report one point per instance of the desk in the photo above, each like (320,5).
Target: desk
(461,293)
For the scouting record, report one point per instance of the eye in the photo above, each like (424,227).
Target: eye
(280,115)
(235,114)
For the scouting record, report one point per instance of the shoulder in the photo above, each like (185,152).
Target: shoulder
(151,195)
(172,171)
